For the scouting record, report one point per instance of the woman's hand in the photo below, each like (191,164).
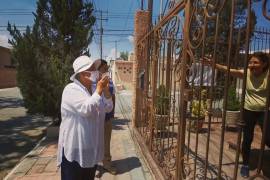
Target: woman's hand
(106,90)
(207,61)
(234,72)
(103,85)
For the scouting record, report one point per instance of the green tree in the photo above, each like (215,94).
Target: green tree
(44,55)
(124,55)
(198,21)
(219,19)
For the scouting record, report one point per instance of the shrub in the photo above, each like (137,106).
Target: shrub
(233,102)
(162,101)
(198,108)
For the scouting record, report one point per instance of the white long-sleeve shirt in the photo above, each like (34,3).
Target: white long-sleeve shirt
(82,127)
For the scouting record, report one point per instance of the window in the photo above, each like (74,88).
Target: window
(10,66)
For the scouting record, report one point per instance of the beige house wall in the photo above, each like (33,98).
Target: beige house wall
(122,72)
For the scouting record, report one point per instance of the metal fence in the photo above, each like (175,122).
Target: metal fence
(182,116)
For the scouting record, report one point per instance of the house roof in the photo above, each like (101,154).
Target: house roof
(123,62)
(5,45)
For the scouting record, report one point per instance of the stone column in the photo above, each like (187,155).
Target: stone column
(141,26)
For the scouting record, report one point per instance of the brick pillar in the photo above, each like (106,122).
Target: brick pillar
(141,26)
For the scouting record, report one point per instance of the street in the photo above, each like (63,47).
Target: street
(19,132)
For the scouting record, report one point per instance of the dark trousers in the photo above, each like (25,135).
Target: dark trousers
(251,118)
(73,171)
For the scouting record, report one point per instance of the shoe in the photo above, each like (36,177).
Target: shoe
(100,171)
(244,171)
(111,169)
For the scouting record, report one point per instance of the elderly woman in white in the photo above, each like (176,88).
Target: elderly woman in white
(81,140)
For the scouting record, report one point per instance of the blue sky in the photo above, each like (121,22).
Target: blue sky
(120,16)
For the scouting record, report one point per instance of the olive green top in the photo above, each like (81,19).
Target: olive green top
(256,92)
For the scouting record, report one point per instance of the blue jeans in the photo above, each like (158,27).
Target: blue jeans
(73,171)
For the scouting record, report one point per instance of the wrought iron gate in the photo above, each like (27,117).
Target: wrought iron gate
(182,104)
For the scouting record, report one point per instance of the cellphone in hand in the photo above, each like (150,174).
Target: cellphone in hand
(105,74)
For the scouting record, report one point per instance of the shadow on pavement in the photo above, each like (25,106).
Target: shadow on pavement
(127,164)
(18,136)
(118,124)
(122,166)
(166,134)
(10,102)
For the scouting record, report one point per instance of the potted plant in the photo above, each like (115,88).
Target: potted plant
(233,107)
(198,112)
(162,108)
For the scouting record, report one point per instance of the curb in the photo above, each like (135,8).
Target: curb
(33,151)
(140,154)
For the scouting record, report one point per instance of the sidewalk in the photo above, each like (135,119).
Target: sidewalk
(40,164)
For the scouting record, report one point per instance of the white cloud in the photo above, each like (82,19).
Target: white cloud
(131,39)
(111,54)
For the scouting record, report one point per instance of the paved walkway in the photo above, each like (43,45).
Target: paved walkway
(41,162)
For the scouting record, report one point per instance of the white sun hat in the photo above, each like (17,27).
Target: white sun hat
(83,63)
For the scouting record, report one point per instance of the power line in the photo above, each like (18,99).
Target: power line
(95,26)
(129,12)
(113,15)
(131,5)
(16,14)
(117,30)
(16,9)
(97,31)
(101,32)
(107,42)
(139,3)
(115,35)
(110,13)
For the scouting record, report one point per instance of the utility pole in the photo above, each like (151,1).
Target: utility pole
(161,10)
(115,49)
(101,32)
